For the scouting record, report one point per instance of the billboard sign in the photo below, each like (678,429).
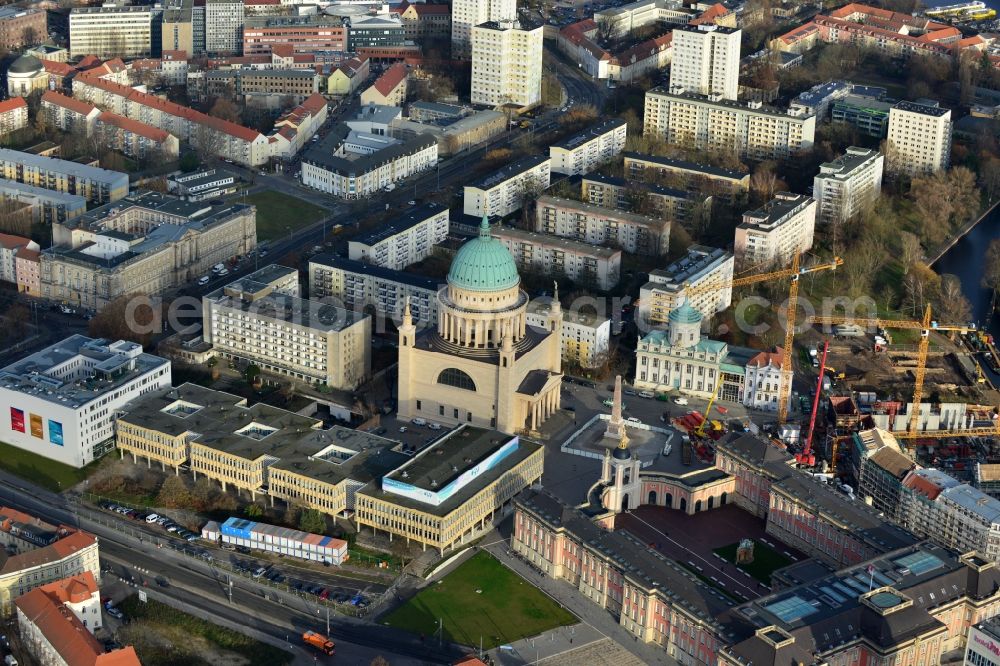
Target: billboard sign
(36,426)
(17,419)
(55,432)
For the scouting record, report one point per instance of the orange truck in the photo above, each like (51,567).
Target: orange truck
(319,641)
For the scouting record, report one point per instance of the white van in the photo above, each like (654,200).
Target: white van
(218,268)
(152,518)
(419,422)
(434,426)
(646,394)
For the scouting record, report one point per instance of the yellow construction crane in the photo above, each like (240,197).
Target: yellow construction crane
(794,272)
(708,410)
(925,327)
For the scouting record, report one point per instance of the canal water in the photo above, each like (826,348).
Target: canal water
(967,260)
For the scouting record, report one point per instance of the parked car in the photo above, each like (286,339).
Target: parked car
(680,401)
(203,280)
(114,612)
(152,518)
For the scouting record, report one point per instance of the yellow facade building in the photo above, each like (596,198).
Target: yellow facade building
(258,449)
(452,490)
(483,365)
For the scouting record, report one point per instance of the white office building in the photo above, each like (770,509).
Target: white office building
(261,319)
(110,32)
(680,281)
(585,151)
(638,234)
(403,241)
(506,64)
(706,60)
(356,285)
(776,231)
(846,186)
(586,336)
(591,265)
(503,192)
(466,14)
(60,402)
(919,138)
(704,122)
(983,645)
(223,26)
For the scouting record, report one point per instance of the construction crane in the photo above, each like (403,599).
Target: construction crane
(807,457)
(708,410)
(794,272)
(925,327)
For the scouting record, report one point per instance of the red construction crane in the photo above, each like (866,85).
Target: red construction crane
(807,457)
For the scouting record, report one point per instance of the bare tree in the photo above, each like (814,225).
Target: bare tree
(605,30)
(29,36)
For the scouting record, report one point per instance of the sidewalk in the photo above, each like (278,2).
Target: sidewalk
(596,623)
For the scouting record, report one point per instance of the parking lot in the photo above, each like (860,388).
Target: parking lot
(328,585)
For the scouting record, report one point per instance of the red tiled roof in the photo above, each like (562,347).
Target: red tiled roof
(147,63)
(10,241)
(60,550)
(73,589)
(922,485)
(67,635)
(171,108)
(314,103)
(88,61)
(644,49)
(709,15)
(283,50)
(13,104)
(67,102)
(134,126)
(61,68)
(439,10)
(175,55)
(768,358)
(29,255)
(391,78)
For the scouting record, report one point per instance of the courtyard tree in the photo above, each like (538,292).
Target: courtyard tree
(312,521)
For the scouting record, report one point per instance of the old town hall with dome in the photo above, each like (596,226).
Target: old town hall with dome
(484,365)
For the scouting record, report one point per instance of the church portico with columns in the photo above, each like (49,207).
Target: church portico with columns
(484,365)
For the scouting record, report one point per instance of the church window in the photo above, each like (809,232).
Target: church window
(457,378)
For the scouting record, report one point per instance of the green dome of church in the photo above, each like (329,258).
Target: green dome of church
(685,314)
(483,264)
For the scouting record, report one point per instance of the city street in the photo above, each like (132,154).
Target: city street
(199,584)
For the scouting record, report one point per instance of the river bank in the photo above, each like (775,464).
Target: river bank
(966,259)
(969,226)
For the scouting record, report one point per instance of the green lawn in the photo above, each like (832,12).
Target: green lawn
(277,212)
(40,470)
(163,635)
(766,560)
(481,599)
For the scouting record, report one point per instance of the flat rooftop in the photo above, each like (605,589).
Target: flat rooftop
(79,370)
(599,211)
(42,163)
(589,134)
(447,459)
(843,166)
(224,422)
(699,260)
(509,171)
(256,299)
(652,188)
(684,165)
(361,268)
(775,212)
(550,240)
(407,221)
(926,109)
(74,201)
